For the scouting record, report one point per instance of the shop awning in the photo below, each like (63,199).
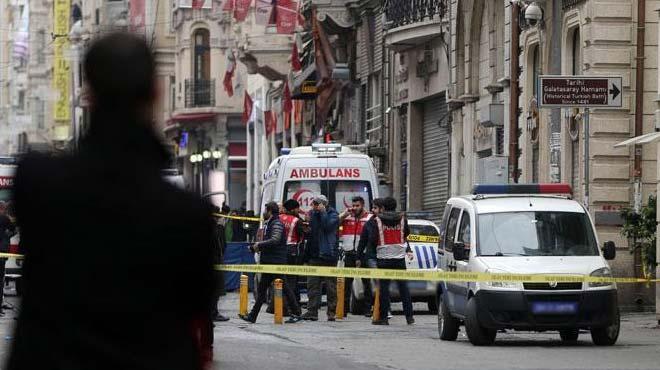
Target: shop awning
(191,117)
(640,140)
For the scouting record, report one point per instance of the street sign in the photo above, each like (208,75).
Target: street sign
(580,91)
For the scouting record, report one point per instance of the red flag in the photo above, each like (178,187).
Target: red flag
(295,58)
(229,74)
(241,9)
(229,5)
(288,104)
(287,120)
(298,107)
(270,122)
(247,108)
(286,19)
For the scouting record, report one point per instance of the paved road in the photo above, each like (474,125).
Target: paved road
(356,344)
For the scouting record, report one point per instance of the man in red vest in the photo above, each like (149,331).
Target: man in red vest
(389,238)
(294,236)
(352,221)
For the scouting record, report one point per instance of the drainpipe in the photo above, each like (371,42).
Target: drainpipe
(514,93)
(639,101)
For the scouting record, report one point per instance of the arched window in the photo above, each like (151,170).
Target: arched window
(201,55)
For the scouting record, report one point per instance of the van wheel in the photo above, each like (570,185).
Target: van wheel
(433,305)
(607,336)
(477,334)
(448,325)
(569,336)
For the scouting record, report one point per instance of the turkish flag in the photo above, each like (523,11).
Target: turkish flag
(286,19)
(247,108)
(229,75)
(295,58)
(241,9)
(229,5)
(287,104)
(270,122)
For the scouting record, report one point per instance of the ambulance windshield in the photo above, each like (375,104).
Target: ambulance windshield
(338,192)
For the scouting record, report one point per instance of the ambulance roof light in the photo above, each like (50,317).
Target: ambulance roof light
(326,148)
(522,189)
(285,151)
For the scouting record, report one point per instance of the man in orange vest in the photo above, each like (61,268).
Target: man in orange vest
(294,236)
(352,221)
(389,238)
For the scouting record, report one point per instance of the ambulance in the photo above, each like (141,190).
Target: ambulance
(13,265)
(336,171)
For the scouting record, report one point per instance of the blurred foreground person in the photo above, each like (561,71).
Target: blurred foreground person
(122,276)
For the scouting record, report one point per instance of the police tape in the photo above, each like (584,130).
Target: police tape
(11,255)
(241,218)
(424,275)
(423,238)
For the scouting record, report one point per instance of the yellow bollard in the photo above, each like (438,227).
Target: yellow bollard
(279,311)
(341,286)
(376,307)
(243,296)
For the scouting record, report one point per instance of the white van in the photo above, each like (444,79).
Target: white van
(333,170)
(526,229)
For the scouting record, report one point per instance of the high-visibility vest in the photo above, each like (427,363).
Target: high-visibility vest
(391,240)
(351,229)
(290,228)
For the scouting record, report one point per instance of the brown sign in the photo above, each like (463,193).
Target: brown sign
(579,91)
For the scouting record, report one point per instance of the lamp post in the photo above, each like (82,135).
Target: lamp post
(208,159)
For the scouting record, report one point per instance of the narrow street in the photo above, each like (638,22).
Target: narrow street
(356,344)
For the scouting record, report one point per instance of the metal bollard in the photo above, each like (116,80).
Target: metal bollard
(243,296)
(341,286)
(376,306)
(279,311)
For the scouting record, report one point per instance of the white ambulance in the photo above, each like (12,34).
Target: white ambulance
(333,170)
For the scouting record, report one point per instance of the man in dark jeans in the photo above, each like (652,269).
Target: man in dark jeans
(367,252)
(322,251)
(389,237)
(273,251)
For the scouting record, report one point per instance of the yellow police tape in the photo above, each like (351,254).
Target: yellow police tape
(424,275)
(423,238)
(418,275)
(242,218)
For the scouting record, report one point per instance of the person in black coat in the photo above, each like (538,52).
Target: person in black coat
(272,251)
(7,230)
(118,271)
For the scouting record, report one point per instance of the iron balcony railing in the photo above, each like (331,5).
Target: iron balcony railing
(200,93)
(402,12)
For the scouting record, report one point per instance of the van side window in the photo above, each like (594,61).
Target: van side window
(451,228)
(443,225)
(464,232)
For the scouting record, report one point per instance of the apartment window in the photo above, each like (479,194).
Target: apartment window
(41,46)
(21,101)
(202,61)
(535,163)
(40,113)
(97,16)
(172,93)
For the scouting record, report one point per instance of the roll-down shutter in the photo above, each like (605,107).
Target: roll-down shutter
(435,157)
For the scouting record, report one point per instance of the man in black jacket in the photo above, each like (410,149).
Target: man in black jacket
(7,230)
(273,251)
(103,275)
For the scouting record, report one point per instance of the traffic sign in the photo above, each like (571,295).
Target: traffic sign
(580,91)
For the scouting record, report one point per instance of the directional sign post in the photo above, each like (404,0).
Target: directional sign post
(579,92)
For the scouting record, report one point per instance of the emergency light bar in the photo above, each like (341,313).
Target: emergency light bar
(522,189)
(326,148)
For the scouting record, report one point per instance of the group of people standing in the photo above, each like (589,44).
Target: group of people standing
(355,238)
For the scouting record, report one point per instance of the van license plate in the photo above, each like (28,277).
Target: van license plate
(556,308)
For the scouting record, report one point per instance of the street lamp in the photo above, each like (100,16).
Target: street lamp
(217,154)
(206,154)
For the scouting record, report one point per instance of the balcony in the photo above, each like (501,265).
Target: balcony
(200,93)
(412,23)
